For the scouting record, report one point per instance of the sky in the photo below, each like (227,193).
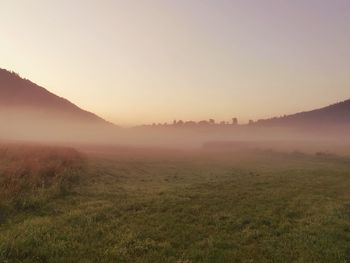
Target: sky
(136,62)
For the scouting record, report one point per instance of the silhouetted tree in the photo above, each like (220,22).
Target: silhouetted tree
(203,123)
(190,123)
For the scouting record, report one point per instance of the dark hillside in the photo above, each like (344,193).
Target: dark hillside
(18,94)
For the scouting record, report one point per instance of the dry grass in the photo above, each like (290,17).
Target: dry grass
(26,170)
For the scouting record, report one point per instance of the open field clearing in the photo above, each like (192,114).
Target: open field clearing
(255,206)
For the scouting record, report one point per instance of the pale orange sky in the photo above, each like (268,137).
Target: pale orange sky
(135,62)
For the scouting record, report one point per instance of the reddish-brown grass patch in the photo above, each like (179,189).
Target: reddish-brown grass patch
(25,169)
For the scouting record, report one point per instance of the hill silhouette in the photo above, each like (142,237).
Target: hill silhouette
(337,114)
(18,94)
(30,112)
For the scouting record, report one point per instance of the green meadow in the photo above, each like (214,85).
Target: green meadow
(168,206)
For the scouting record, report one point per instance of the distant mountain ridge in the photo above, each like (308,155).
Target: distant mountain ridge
(19,93)
(335,114)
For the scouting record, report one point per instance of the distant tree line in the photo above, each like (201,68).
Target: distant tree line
(202,123)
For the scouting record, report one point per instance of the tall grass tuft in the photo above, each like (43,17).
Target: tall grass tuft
(31,174)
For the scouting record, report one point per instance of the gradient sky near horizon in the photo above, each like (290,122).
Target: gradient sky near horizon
(145,61)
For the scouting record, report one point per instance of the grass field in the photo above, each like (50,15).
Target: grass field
(254,206)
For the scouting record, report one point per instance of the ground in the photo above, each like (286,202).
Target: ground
(198,206)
